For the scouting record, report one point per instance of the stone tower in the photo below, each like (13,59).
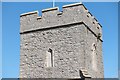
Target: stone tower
(65,44)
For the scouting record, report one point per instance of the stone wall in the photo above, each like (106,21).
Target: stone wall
(72,36)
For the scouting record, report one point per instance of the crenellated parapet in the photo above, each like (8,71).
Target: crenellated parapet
(51,17)
(61,44)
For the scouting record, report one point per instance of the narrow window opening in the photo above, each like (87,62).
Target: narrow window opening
(49,57)
(94,47)
(94,57)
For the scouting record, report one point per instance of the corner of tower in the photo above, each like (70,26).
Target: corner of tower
(27,19)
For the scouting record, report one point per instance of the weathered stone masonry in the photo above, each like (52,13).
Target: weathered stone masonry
(60,44)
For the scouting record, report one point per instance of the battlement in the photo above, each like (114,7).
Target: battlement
(50,9)
(72,5)
(51,17)
(29,13)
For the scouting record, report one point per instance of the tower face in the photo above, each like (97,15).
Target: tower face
(60,44)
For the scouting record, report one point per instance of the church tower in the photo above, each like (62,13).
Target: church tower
(65,44)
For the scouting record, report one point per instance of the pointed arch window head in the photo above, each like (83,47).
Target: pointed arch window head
(50,50)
